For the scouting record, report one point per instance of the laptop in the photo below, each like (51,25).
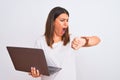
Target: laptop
(25,58)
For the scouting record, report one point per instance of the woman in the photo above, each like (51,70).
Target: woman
(58,45)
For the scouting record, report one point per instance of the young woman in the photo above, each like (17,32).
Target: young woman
(58,45)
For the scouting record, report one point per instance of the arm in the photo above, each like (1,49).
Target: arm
(85,41)
(91,41)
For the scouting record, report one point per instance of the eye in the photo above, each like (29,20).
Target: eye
(67,20)
(62,20)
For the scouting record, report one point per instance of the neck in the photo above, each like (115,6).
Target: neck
(57,38)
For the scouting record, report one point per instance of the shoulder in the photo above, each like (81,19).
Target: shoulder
(40,41)
(42,37)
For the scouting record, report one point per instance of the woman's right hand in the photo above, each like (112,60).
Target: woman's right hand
(35,72)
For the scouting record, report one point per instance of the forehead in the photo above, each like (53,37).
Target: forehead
(63,15)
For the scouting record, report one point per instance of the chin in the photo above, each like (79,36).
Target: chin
(61,35)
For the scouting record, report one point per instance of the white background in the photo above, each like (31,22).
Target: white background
(23,21)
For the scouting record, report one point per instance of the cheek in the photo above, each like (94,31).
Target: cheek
(58,26)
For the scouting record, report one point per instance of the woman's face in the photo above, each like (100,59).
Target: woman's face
(61,24)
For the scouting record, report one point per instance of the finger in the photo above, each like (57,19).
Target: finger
(77,39)
(37,72)
(33,71)
(74,46)
(30,73)
(75,43)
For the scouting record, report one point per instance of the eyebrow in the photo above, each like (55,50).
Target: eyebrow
(64,18)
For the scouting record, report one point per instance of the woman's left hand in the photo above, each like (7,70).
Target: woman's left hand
(78,43)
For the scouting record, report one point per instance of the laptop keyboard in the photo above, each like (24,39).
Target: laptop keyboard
(53,70)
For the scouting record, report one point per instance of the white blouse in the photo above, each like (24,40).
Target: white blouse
(59,56)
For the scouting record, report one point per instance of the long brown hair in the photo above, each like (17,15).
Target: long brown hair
(49,31)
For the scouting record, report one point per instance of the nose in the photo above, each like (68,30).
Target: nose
(66,23)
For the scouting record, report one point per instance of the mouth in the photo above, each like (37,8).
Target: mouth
(63,30)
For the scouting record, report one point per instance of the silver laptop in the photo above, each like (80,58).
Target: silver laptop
(25,58)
